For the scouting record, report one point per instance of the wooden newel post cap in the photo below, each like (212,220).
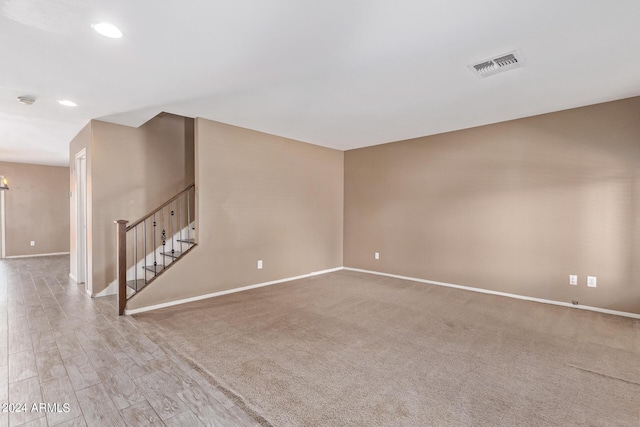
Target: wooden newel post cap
(121,221)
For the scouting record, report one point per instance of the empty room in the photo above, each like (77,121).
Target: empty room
(320,214)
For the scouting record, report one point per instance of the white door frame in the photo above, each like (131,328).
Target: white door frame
(81,220)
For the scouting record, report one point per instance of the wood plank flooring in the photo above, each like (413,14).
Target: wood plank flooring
(58,346)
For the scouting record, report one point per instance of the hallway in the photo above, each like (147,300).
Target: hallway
(57,346)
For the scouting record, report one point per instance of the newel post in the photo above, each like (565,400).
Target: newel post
(121,250)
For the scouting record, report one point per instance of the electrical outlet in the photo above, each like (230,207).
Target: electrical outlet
(376,255)
(592,281)
(573,279)
(259,264)
(33,243)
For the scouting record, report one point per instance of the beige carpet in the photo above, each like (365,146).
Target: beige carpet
(356,349)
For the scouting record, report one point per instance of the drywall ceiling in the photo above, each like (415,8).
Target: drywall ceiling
(342,74)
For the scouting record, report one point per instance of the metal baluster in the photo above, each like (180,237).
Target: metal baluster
(164,238)
(135,258)
(180,219)
(173,252)
(144,238)
(133,255)
(155,261)
(188,216)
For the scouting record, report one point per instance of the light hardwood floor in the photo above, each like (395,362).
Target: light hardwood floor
(59,346)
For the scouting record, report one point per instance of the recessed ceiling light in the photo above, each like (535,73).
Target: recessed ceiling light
(67,103)
(108,30)
(27,100)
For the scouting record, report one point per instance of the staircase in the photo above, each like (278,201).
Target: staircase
(153,243)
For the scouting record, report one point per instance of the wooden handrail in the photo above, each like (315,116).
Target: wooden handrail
(168,202)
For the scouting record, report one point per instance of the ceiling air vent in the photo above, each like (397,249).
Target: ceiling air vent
(505,62)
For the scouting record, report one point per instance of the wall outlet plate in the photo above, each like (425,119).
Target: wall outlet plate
(592,281)
(376,255)
(573,279)
(33,243)
(259,264)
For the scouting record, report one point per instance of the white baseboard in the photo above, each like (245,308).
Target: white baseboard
(414,279)
(37,255)
(230,291)
(503,294)
(112,289)
(72,277)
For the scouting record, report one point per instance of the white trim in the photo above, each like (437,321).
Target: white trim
(230,291)
(112,289)
(3,230)
(82,215)
(72,277)
(502,294)
(37,255)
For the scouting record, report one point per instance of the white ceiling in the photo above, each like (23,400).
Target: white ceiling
(342,74)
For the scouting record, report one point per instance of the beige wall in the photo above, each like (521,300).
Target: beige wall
(36,208)
(129,172)
(513,207)
(133,171)
(189,148)
(259,197)
(1,222)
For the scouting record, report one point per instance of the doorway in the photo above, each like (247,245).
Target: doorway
(81,219)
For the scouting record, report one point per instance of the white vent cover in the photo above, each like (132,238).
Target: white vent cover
(505,62)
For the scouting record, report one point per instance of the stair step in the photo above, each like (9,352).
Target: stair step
(136,285)
(189,241)
(154,269)
(175,254)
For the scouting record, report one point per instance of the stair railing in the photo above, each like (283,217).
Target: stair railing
(153,243)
